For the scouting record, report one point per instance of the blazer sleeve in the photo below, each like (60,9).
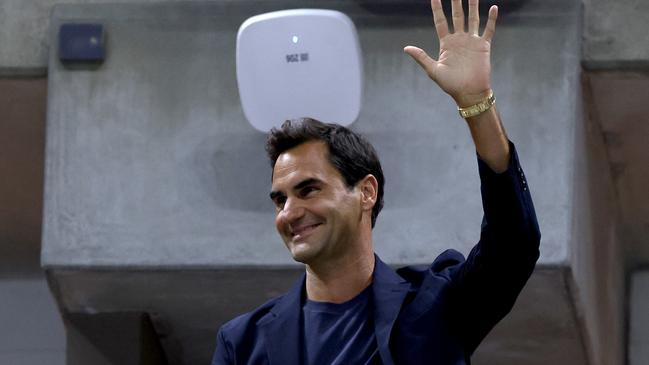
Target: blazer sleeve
(222,352)
(486,285)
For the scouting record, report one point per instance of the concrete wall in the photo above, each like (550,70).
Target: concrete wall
(597,255)
(31,329)
(615,34)
(24,34)
(614,175)
(616,55)
(142,153)
(613,31)
(619,106)
(22,143)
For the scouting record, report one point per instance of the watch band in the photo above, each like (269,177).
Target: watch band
(479,108)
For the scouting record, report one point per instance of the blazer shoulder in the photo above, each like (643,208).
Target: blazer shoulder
(238,340)
(440,267)
(245,324)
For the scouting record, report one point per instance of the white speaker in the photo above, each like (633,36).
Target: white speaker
(299,63)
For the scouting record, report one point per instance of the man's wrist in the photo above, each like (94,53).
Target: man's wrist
(478,108)
(467,100)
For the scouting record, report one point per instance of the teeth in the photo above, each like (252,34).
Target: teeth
(304,228)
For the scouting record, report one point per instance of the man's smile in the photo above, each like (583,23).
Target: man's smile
(303,230)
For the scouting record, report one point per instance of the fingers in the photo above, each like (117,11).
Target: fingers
(458,16)
(425,61)
(490,28)
(441,26)
(474,17)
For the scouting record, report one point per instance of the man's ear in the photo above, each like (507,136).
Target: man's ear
(369,189)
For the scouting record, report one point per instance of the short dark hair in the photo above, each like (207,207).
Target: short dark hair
(351,154)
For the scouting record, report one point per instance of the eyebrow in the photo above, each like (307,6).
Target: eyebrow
(274,194)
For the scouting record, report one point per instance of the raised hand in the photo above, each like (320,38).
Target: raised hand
(463,68)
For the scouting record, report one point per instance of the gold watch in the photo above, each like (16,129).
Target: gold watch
(479,108)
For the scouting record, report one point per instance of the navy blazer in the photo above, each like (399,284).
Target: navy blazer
(431,314)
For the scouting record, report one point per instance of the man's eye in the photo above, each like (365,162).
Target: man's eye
(308,190)
(279,202)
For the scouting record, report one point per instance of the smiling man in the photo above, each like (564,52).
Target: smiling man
(350,307)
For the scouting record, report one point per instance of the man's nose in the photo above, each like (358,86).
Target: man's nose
(293,209)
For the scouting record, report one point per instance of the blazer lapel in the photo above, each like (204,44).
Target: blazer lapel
(281,330)
(389,292)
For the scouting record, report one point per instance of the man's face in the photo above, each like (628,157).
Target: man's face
(318,217)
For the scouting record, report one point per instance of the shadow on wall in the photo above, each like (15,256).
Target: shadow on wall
(236,172)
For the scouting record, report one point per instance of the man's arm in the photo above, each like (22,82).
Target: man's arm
(486,285)
(463,70)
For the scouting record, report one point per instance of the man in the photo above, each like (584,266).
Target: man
(350,307)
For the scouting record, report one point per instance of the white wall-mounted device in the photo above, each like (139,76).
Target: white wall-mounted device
(299,63)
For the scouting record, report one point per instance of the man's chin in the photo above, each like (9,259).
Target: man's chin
(302,252)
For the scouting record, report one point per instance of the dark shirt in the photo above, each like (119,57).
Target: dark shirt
(340,333)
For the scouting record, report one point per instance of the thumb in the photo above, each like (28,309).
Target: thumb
(424,60)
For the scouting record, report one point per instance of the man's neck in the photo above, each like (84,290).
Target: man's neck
(340,280)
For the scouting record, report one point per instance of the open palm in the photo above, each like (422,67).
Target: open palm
(463,68)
